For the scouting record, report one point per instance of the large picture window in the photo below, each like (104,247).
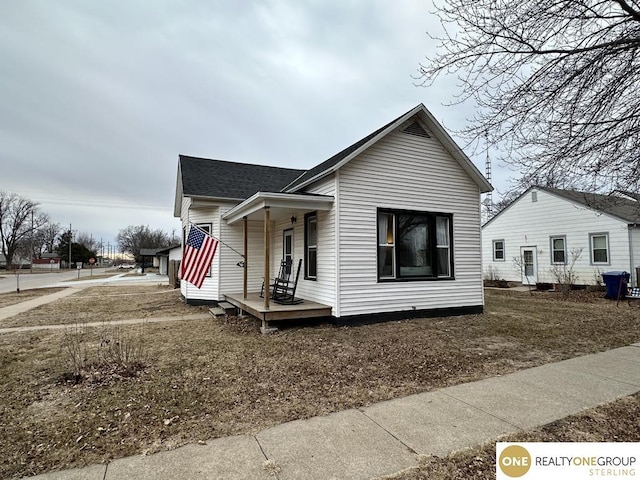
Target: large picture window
(311,246)
(414,245)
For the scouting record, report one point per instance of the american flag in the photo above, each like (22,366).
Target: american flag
(197,256)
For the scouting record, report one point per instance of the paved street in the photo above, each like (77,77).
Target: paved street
(9,281)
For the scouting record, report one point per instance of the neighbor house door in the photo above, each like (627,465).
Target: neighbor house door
(529,265)
(287,246)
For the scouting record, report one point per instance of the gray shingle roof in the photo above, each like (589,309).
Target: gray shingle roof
(221,179)
(623,208)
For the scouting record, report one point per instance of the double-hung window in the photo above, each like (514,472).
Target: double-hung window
(414,245)
(311,246)
(558,250)
(498,250)
(599,243)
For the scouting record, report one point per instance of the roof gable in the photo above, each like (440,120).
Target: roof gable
(624,209)
(344,156)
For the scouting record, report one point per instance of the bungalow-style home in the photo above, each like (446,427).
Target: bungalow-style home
(547,229)
(387,228)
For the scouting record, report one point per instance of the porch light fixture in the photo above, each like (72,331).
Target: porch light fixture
(294,219)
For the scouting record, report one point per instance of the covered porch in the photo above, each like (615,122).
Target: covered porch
(253,304)
(270,208)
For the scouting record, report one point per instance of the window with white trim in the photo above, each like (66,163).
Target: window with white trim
(558,250)
(498,250)
(414,245)
(311,246)
(599,246)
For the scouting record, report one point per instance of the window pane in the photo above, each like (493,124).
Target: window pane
(443,262)
(385,262)
(311,266)
(558,243)
(600,256)
(312,233)
(385,229)
(600,242)
(414,254)
(442,231)
(558,256)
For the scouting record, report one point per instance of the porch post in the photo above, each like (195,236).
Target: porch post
(245,265)
(267,275)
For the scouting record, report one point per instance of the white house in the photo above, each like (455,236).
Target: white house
(547,228)
(387,228)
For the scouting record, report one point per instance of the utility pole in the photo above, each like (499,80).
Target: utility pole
(70,236)
(32,247)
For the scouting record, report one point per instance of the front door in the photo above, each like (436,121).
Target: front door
(287,247)
(529,267)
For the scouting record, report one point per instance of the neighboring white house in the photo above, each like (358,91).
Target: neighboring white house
(546,228)
(389,227)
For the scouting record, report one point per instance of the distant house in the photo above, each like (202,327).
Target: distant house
(48,261)
(544,227)
(387,228)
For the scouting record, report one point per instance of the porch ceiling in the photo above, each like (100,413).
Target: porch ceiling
(281,205)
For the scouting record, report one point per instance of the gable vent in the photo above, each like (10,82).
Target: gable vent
(416,129)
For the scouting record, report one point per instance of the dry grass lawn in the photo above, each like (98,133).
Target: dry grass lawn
(210,378)
(106,303)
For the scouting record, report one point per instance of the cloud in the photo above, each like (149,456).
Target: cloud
(100,98)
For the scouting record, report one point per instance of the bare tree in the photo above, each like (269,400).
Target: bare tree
(87,240)
(19,218)
(555,82)
(134,237)
(48,235)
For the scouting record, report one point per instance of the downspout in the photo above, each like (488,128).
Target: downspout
(632,270)
(336,309)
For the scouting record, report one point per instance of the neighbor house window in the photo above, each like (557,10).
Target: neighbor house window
(558,250)
(311,246)
(414,245)
(498,250)
(599,248)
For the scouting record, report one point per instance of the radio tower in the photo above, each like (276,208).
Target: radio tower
(488,199)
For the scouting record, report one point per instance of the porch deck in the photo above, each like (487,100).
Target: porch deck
(254,305)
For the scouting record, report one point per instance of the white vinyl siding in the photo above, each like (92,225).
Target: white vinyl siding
(527,223)
(323,288)
(412,173)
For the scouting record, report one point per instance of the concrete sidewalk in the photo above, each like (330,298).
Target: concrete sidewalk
(18,308)
(385,438)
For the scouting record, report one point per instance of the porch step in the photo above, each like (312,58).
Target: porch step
(223,308)
(216,312)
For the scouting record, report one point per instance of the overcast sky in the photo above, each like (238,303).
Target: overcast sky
(98,99)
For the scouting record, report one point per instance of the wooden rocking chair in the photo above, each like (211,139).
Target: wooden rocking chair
(285,293)
(284,274)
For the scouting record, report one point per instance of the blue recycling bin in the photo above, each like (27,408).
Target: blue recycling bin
(616,282)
